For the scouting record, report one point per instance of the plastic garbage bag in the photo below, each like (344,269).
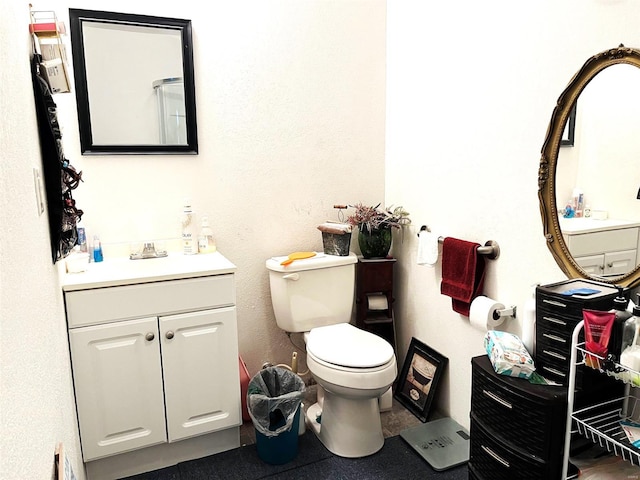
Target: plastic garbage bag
(273,398)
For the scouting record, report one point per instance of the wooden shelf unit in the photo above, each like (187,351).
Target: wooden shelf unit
(375,277)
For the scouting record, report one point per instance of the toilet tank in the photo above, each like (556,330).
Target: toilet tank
(313,292)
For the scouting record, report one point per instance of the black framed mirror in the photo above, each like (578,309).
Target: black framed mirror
(134,83)
(613,241)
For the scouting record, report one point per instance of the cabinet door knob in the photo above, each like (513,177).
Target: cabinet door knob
(149,336)
(169,335)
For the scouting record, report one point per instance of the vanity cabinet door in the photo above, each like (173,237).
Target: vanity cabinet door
(619,263)
(592,264)
(200,369)
(118,385)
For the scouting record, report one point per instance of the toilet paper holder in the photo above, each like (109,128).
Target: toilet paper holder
(505,312)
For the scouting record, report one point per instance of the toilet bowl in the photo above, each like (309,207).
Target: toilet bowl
(352,367)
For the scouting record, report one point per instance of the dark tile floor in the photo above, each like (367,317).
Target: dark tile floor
(393,421)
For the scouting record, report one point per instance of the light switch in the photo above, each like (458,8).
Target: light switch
(37,181)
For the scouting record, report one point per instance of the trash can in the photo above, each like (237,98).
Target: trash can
(274,397)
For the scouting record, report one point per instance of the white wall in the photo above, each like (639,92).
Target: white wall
(36,406)
(470,91)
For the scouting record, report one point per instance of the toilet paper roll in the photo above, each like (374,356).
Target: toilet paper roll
(483,313)
(377,302)
(427,248)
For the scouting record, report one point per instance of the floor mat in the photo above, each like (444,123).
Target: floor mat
(394,461)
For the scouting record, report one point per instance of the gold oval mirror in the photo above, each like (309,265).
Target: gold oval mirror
(604,246)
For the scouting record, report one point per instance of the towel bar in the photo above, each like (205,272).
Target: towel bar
(491,249)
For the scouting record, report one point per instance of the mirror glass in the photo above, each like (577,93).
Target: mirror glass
(134,83)
(598,237)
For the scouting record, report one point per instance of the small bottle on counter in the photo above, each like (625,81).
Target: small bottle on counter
(82,238)
(97,249)
(189,233)
(206,242)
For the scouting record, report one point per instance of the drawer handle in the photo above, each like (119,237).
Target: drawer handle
(149,337)
(555,320)
(169,335)
(554,338)
(495,456)
(554,371)
(497,399)
(557,304)
(554,354)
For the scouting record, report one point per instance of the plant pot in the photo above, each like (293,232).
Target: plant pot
(375,243)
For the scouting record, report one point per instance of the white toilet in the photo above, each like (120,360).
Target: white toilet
(351,366)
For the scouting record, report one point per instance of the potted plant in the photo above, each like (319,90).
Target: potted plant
(374,227)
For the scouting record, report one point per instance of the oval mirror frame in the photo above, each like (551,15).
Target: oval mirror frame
(549,161)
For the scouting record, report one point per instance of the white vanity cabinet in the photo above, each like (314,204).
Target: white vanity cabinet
(154,357)
(602,247)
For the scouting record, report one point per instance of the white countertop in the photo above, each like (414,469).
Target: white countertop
(123,271)
(573,226)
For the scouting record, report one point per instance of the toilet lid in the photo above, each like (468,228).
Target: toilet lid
(348,346)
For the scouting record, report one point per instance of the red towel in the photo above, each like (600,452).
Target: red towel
(462,273)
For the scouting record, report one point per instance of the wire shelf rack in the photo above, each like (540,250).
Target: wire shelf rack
(601,424)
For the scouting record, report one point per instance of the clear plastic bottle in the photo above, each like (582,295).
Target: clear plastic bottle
(189,234)
(630,356)
(206,242)
(97,249)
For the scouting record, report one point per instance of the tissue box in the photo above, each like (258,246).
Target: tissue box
(508,354)
(336,238)
(336,244)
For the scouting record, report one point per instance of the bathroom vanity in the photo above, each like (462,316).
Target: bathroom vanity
(602,247)
(154,354)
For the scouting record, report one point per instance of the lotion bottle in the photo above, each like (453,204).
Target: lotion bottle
(206,242)
(189,235)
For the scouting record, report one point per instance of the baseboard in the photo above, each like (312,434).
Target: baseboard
(163,455)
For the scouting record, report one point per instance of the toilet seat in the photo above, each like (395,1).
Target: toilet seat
(345,347)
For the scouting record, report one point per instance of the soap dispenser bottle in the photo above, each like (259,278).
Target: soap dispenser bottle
(622,315)
(189,234)
(206,242)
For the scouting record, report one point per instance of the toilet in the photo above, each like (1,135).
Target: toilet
(352,367)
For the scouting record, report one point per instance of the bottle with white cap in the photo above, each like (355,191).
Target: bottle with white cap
(206,242)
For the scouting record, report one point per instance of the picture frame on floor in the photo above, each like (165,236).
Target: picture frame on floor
(418,381)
